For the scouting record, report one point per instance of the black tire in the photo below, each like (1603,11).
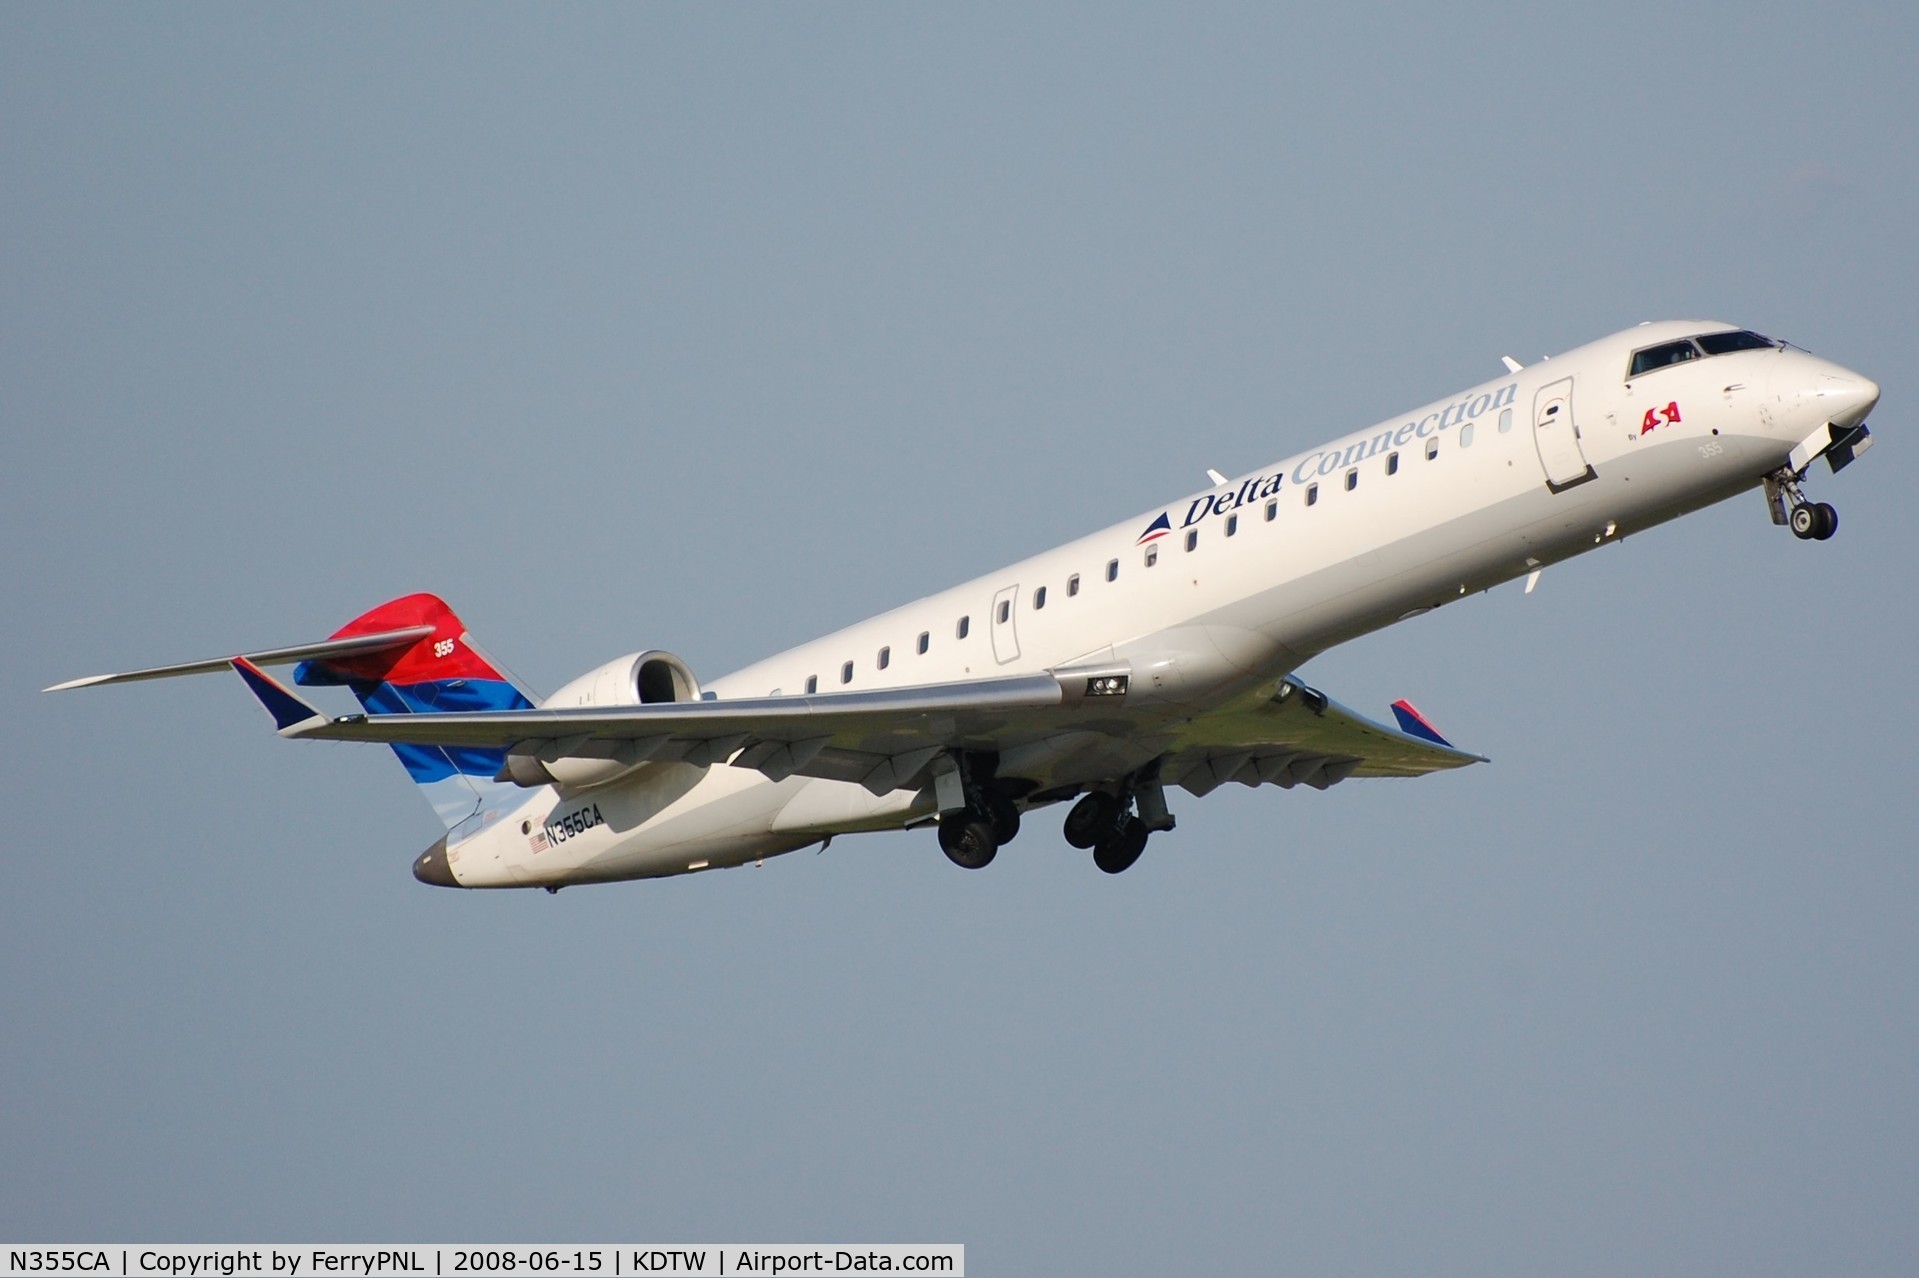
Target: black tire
(967,839)
(1005,818)
(1094,817)
(1805,521)
(1828,521)
(1116,854)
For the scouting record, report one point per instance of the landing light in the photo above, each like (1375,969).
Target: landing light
(1106,686)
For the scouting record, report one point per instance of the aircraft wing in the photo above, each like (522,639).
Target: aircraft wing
(1061,729)
(1299,736)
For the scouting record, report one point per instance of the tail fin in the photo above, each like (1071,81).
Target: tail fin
(440,671)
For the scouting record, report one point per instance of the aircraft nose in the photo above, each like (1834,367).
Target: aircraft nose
(1811,390)
(1851,397)
(430,866)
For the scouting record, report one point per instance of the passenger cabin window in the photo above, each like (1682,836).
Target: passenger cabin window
(1112,570)
(1272,510)
(812,684)
(965,624)
(1192,538)
(1072,585)
(885,658)
(1005,611)
(1352,480)
(1727,343)
(1432,448)
(1232,524)
(1152,554)
(1039,599)
(846,673)
(1466,435)
(1505,420)
(1392,463)
(926,641)
(1662,355)
(1312,494)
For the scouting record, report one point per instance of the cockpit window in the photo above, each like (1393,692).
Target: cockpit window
(1661,355)
(1727,343)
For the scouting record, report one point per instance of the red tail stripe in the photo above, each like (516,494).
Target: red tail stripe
(440,655)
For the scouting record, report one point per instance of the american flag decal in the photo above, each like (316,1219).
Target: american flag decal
(539,842)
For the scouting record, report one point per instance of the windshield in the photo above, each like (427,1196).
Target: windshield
(1727,343)
(1661,355)
(1690,348)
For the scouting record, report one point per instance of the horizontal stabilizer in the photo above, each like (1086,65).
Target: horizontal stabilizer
(356,646)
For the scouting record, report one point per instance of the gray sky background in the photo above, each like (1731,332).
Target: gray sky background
(715,328)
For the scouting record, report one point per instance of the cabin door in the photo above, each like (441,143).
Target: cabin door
(1005,616)
(1556,435)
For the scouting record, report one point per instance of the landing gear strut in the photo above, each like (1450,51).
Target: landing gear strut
(1809,521)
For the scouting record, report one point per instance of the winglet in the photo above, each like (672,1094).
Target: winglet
(1414,724)
(289,712)
(1512,365)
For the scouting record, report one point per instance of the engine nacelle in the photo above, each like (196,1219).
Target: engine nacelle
(643,678)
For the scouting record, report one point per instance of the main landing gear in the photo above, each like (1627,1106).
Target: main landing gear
(1100,821)
(981,816)
(1809,521)
(971,836)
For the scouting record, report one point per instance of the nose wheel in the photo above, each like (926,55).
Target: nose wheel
(1814,521)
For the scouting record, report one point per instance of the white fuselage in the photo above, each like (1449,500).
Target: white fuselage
(1246,581)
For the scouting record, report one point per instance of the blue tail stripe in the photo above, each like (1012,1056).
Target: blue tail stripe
(285,708)
(427,764)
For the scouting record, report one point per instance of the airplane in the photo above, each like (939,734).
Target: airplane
(1158,652)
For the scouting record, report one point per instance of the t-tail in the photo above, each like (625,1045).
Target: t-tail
(439,671)
(408,656)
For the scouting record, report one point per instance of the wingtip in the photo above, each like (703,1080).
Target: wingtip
(1415,724)
(88,681)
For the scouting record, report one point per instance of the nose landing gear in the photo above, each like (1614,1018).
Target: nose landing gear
(1809,520)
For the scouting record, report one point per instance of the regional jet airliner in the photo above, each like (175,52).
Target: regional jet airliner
(1155,653)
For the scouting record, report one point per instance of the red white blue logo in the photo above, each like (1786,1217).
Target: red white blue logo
(1154,531)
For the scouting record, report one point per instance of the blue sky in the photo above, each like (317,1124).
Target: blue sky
(712,329)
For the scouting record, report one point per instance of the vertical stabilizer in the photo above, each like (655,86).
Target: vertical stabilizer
(440,671)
